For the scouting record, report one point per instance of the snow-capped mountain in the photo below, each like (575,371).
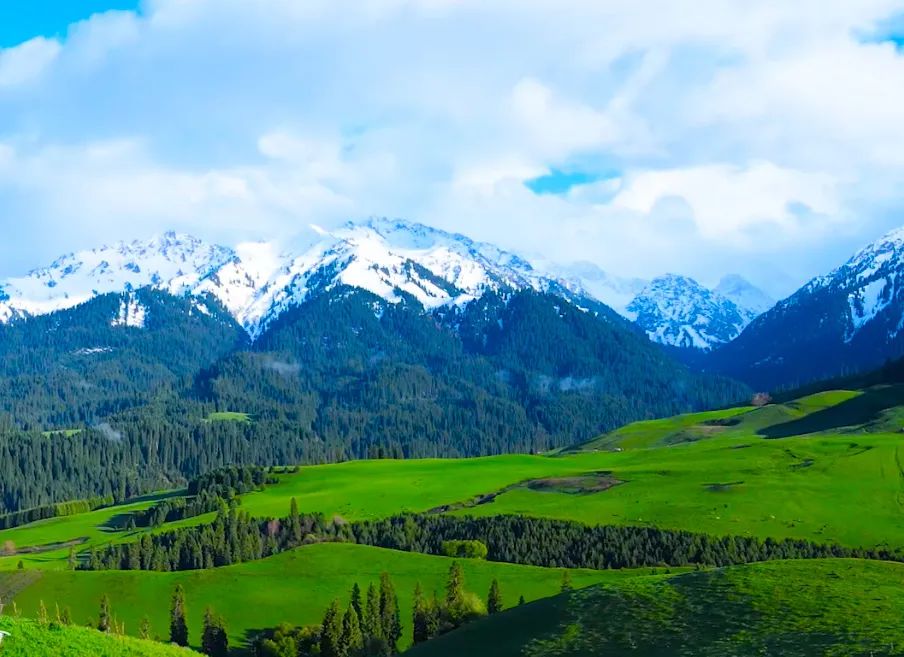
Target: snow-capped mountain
(744,294)
(393,259)
(174,262)
(257,282)
(847,320)
(678,311)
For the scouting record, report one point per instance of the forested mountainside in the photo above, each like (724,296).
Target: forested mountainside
(344,375)
(848,321)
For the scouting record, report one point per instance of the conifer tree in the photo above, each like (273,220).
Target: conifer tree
(372,630)
(357,603)
(494,599)
(103,619)
(455,593)
(144,629)
(390,616)
(178,624)
(434,616)
(331,632)
(352,641)
(521,601)
(66,616)
(71,561)
(214,641)
(566,581)
(419,616)
(42,613)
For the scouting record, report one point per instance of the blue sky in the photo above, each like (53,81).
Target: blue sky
(21,21)
(646,136)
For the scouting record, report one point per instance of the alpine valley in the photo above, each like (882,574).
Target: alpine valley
(272,423)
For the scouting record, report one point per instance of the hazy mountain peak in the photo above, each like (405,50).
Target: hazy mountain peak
(744,294)
(676,310)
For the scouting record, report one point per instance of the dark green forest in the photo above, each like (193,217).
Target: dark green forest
(91,409)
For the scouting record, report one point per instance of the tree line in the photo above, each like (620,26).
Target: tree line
(234,537)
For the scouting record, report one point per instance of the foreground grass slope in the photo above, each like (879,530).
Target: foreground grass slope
(792,608)
(294,587)
(28,638)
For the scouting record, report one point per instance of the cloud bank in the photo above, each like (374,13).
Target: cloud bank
(712,136)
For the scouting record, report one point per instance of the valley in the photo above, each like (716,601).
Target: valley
(717,473)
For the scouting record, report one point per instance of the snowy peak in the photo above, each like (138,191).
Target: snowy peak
(871,284)
(170,261)
(395,260)
(678,311)
(744,294)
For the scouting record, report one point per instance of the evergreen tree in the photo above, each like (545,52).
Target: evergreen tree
(352,640)
(494,599)
(390,616)
(214,641)
(331,632)
(294,521)
(373,632)
(178,624)
(455,593)
(42,613)
(566,582)
(66,616)
(104,619)
(419,616)
(434,616)
(357,603)
(521,600)
(72,560)
(144,628)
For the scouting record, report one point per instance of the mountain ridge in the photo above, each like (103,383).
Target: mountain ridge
(258,281)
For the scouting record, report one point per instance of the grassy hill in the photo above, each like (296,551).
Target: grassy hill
(825,467)
(794,609)
(294,587)
(31,639)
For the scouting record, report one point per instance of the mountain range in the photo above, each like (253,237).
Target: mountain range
(845,321)
(257,282)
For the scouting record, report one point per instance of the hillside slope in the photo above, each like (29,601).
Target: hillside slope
(28,638)
(847,321)
(793,609)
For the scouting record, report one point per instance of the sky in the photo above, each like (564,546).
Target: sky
(698,137)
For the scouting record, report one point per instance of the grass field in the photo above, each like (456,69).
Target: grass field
(732,471)
(28,638)
(815,487)
(228,416)
(791,608)
(295,587)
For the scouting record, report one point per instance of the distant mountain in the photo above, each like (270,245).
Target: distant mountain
(258,282)
(679,312)
(588,279)
(171,262)
(744,294)
(847,321)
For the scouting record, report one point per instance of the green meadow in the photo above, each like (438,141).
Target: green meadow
(28,638)
(294,587)
(843,608)
(826,467)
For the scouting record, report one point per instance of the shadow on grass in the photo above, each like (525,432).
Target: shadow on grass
(857,411)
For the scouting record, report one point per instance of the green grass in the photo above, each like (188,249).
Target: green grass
(228,416)
(792,608)
(65,433)
(29,638)
(97,528)
(294,587)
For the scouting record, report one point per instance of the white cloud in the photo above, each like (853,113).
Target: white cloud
(715,123)
(27,61)
(724,200)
